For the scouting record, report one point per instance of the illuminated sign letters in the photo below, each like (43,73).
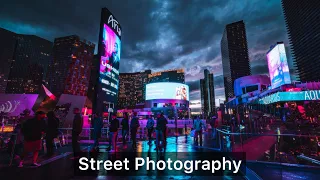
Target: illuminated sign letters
(114,24)
(312,95)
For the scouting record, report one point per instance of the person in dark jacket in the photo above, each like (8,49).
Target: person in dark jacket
(52,131)
(134,125)
(97,126)
(76,131)
(125,128)
(32,130)
(161,130)
(213,123)
(113,133)
(150,127)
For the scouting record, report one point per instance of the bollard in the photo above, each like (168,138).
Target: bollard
(44,146)
(141,133)
(185,129)
(63,140)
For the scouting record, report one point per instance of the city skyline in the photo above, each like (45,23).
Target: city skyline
(156,37)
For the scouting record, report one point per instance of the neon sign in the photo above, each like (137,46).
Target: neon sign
(312,95)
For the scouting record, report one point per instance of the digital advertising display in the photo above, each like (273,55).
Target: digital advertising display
(167,90)
(278,66)
(109,51)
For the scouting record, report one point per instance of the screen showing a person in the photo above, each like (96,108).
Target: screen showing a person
(278,66)
(167,91)
(109,63)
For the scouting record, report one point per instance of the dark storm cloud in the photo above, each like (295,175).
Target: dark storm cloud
(260,69)
(193,85)
(158,34)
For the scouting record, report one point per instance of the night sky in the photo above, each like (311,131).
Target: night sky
(159,34)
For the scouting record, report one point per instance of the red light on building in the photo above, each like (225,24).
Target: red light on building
(293,89)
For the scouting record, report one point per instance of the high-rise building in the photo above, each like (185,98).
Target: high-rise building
(235,58)
(132,89)
(208,104)
(28,67)
(70,70)
(303,27)
(7,47)
(175,75)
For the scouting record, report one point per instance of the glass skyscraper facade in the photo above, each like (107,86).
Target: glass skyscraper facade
(303,27)
(28,65)
(7,47)
(207,93)
(235,58)
(70,70)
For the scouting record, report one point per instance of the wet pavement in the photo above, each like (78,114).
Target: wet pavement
(61,167)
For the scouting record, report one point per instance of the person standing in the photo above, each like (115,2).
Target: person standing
(213,124)
(150,125)
(160,131)
(113,133)
(198,126)
(33,129)
(52,131)
(97,126)
(125,128)
(164,131)
(134,125)
(76,131)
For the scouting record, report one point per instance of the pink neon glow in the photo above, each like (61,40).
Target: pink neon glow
(109,40)
(86,111)
(48,93)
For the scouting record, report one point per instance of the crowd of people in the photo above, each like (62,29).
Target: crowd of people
(131,126)
(30,132)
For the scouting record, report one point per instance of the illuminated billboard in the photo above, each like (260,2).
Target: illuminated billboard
(109,61)
(278,66)
(167,90)
(312,95)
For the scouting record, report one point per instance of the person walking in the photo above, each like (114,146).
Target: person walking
(150,128)
(52,131)
(76,131)
(125,128)
(32,130)
(134,125)
(97,126)
(198,126)
(113,133)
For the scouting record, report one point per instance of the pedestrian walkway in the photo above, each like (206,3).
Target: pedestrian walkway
(256,147)
(61,167)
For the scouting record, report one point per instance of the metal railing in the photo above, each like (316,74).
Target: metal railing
(271,146)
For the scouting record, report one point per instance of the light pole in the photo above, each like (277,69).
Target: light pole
(175,120)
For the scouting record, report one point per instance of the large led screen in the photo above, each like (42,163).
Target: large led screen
(167,90)
(278,66)
(109,58)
